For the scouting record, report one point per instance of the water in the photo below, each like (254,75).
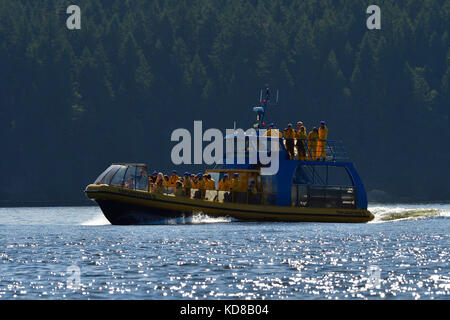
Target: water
(74,253)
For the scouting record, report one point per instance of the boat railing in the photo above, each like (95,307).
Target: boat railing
(260,198)
(315,150)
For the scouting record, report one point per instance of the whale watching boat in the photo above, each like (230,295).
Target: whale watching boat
(306,190)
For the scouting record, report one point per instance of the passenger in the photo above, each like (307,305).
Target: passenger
(129,184)
(179,189)
(322,141)
(152,180)
(236,191)
(211,184)
(300,125)
(200,181)
(187,184)
(201,186)
(154,176)
(194,179)
(141,180)
(301,143)
(205,180)
(313,136)
(236,182)
(166,181)
(159,187)
(272,132)
(174,178)
(289,135)
(252,193)
(224,184)
(252,187)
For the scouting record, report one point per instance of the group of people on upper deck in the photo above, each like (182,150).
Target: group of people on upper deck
(307,146)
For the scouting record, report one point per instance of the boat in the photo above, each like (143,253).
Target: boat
(306,190)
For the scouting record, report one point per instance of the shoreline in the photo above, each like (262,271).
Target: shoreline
(89,203)
(31,204)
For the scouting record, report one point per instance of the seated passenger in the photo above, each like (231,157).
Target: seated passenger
(201,181)
(187,184)
(166,182)
(202,185)
(224,184)
(253,196)
(236,182)
(194,179)
(210,184)
(236,189)
(179,189)
(141,180)
(159,187)
(173,179)
(154,176)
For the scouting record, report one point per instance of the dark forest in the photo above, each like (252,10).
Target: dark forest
(74,101)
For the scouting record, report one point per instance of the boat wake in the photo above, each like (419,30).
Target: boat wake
(198,218)
(386,213)
(98,220)
(382,212)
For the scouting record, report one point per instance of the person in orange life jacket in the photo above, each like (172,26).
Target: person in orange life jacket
(173,179)
(201,186)
(224,184)
(159,186)
(187,184)
(322,141)
(272,132)
(152,179)
(289,135)
(166,181)
(178,189)
(313,136)
(194,179)
(301,143)
(210,184)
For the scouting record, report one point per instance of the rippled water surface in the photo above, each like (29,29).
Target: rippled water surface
(74,253)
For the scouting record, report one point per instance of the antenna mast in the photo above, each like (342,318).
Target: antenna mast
(264,101)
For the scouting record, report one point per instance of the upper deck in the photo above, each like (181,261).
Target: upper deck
(333,150)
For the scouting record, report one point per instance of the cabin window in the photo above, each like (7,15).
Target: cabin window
(118,178)
(105,177)
(129,180)
(101,178)
(110,174)
(323,187)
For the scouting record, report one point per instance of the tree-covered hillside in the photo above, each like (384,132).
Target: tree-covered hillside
(73,101)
